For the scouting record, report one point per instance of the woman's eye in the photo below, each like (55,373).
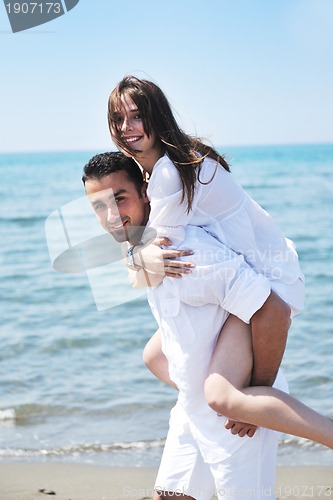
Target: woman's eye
(137,117)
(117,119)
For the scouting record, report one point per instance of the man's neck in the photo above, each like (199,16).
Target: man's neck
(136,238)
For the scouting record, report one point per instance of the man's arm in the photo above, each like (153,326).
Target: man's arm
(270,325)
(242,291)
(155,263)
(230,282)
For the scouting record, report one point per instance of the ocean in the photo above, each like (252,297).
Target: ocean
(73,387)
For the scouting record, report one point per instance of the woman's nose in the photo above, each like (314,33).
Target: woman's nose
(126,125)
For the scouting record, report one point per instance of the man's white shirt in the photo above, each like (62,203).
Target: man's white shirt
(190,313)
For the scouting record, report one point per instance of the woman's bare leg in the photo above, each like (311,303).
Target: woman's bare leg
(234,358)
(155,360)
(261,406)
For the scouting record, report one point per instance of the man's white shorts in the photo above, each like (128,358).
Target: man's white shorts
(245,471)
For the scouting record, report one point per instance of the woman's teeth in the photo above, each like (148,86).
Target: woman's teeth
(132,139)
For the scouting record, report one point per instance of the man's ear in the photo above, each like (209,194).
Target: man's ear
(144,191)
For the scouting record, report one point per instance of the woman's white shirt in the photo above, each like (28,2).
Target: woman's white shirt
(227,212)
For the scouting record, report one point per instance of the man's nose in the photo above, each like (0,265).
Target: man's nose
(113,213)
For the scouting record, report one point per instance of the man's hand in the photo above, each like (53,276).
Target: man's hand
(240,428)
(172,267)
(156,260)
(156,263)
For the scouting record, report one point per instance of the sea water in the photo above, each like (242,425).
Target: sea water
(73,387)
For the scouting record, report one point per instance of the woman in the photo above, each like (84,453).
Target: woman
(190,183)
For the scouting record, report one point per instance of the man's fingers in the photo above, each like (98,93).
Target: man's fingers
(251,432)
(175,272)
(175,254)
(246,430)
(240,428)
(173,275)
(177,263)
(162,241)
(229,423)
(181,253)
(236,428)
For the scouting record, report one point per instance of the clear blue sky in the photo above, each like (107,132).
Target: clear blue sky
(236,71)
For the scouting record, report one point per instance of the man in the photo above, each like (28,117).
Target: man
(200,455)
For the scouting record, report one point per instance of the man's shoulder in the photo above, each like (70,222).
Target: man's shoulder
(201,237)
(206,247)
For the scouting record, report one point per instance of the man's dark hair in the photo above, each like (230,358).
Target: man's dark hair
(107,163)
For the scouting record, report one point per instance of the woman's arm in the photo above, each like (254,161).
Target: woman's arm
(168,213)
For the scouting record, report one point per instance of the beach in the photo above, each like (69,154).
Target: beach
(30,481)
(73,387)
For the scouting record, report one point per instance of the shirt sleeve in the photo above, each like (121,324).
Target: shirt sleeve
(231,283)
(168,213)
(245,293)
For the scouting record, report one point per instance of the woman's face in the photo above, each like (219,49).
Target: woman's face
(130,131)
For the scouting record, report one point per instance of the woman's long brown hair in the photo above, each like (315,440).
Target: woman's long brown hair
(186,152)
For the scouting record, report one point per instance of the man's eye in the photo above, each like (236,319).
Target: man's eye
(119,199)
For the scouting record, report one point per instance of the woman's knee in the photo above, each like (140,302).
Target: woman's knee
(147,355)
(220,395)
(152,352)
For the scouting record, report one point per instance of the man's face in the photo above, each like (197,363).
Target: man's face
(119,207)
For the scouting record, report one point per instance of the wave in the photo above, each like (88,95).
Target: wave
(287,445)
(7,415)
(287,441)
(24,221)
(295,451)
(76,449)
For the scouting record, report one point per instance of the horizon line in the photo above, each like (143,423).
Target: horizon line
(92,149)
